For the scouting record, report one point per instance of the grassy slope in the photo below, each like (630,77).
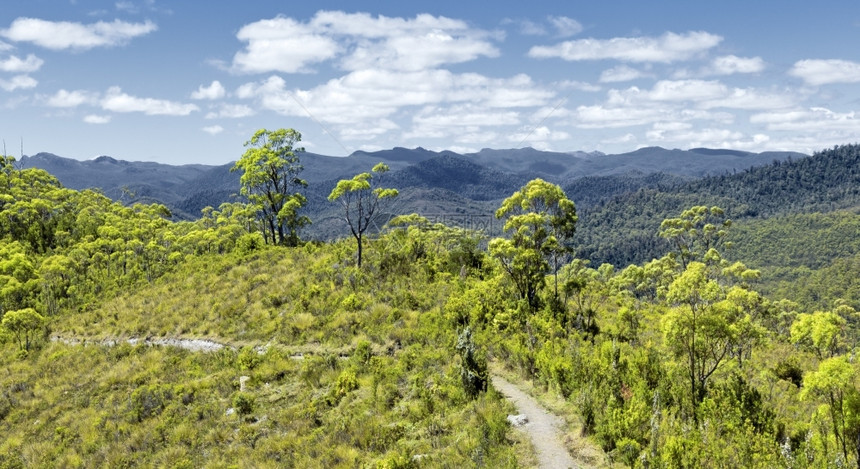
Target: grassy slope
(397,397)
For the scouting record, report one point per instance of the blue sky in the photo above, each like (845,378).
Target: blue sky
(189,82)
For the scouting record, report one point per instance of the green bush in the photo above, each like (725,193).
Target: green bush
(244,403)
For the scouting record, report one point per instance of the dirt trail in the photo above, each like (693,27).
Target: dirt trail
(543,428)
(194,345)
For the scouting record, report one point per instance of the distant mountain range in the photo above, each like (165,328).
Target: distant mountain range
(432,183)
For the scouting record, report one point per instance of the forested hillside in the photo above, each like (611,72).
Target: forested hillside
(618,230)
(488,175)
(375,350)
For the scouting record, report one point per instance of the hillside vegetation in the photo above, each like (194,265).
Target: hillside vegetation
(689,358)
(619,230)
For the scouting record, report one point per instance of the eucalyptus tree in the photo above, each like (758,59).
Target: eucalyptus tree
(23,324)
(360,201)
(693,234)
(542,221)
(713,315)
(270,180)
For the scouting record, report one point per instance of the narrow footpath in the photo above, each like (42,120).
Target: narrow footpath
(543,427)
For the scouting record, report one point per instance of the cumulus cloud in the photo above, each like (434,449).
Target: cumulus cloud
(731,64)
(603,117)
(812,119)
(822,72)
(214,91)
(281,45)
(619,74)
(213,129)
(66,99)
(704,94)
(18,82)
(14,64)
(374,94)
(96,119)
(59,35)
(468,116)
(358,41)
(577,85)
(669,91)
(117,101)
(668,48)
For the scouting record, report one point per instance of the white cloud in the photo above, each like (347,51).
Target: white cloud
(694,137)
(670,91)
(359,41)
(96,119)
(619,74)
(625,139)
(214,91)
(375,94)
(213,129)
(18,82)
(117,101)
(710,138)
(66,99)
(600,117)
(58,35)
(578,85)
(464,123)
(418,52)
(230,111)
(752,99)
(283,45)
(705,94)
(671,126)
(809,120)
(823,72)
(731,64)
(536,135)
(368,130)
(670,47)
(607,117)
(15,64)
(564,26)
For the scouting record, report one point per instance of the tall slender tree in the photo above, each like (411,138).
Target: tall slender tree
(270,180)
(542,221)
(360,201)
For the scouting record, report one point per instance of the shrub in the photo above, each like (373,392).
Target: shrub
(243,402)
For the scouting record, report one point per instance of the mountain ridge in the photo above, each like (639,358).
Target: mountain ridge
(480,177)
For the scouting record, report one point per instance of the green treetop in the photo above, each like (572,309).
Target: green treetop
(541,220)
(360,201)
(270,180)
